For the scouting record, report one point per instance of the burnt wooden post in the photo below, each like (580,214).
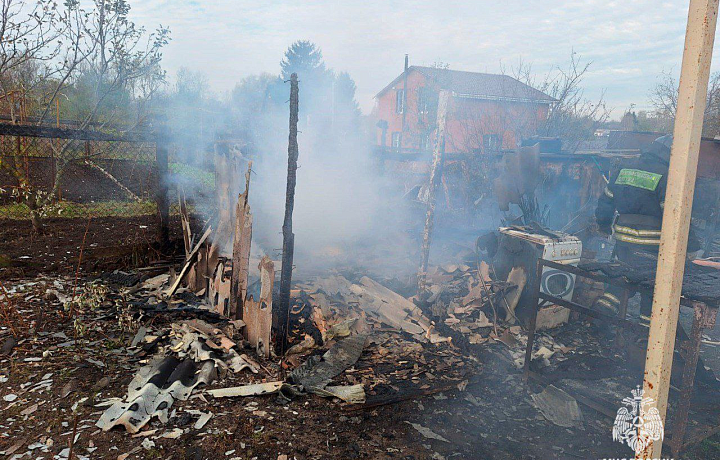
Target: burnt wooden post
(283,312)
(434,181)
(162,190)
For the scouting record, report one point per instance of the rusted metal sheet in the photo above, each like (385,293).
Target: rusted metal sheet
(257,315)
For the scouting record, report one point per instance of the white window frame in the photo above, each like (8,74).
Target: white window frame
(400,101)
(396,140)
(491,142)
(423,100)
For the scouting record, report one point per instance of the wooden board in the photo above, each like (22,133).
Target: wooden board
(257,315)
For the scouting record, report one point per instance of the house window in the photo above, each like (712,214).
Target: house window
(423,101)
(425,141)
(400,101)
(396,140)
(491,142)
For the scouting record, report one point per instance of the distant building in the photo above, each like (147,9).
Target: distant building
(602,132)
(629,122)
(486,113)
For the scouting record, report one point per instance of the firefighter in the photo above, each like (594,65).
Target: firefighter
(631,209)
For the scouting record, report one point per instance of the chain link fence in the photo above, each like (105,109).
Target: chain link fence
(191,175)
(75,173)
(91,174)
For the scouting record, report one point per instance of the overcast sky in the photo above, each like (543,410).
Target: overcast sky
(629,43)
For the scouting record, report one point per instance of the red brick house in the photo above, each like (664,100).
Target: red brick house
(486,113)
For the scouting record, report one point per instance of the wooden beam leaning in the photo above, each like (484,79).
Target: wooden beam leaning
(184,221)
(699,37)
(188,262)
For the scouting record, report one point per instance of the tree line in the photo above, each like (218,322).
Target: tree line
(88,65)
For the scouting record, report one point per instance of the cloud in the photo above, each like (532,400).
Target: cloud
(628,43)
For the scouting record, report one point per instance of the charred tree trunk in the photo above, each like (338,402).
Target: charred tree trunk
(435,177)
(283,312)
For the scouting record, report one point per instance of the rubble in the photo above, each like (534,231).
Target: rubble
(258,314)
(558,407)
(253,389)
(316,374)
(427,432)
(375,300)
(357,358)
(194,356)
(153,391)
(351,394)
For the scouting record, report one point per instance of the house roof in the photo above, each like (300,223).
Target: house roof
(478,85)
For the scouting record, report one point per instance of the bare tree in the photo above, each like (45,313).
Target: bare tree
(664,101)
(28,36)
(573,117)
(116,62)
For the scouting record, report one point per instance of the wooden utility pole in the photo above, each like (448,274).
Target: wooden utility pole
(694,74)
(283,316)
(435,175)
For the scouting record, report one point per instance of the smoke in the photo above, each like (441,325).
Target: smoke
(344,208)
(351,212)
(347,213)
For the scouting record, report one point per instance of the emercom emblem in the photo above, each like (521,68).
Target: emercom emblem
(637,178)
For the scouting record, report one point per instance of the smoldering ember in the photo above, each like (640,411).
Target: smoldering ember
(365,254)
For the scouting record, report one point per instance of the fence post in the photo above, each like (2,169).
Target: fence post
(162,199)
(687,132)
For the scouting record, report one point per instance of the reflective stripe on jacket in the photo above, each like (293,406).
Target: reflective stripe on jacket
(636,190)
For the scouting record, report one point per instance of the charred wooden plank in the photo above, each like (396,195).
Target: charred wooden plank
(188,262)
(257,315)
(241,251)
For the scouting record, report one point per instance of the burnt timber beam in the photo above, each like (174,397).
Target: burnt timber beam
(283,312)
(48,132)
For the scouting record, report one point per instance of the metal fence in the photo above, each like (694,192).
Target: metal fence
(77,173)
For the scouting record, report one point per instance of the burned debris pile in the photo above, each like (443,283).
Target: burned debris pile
(194,354)
(214,346)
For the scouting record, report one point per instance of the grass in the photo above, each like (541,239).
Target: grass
(69,209)
(205,178)
(192,176)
